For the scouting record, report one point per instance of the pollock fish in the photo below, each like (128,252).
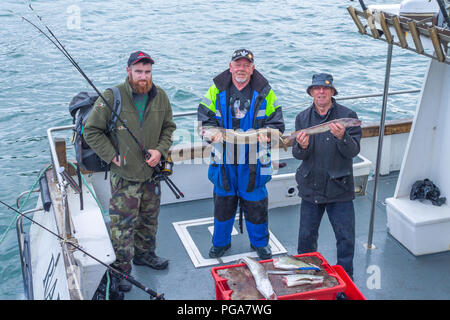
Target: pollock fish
(324,127)
(261,278)
(291,263)
(298,279)
(238,136)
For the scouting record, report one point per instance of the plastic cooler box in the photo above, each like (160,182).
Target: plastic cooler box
(223,292)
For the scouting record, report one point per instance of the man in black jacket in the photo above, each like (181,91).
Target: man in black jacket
(325,177)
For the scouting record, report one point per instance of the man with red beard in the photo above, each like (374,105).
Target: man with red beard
(135,194)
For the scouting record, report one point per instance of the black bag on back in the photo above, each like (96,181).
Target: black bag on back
(80,108)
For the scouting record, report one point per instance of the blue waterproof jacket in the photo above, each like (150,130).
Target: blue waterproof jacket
(232,170)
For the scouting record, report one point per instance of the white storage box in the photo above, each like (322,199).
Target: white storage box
(420,226)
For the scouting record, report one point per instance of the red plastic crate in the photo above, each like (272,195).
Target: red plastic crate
(352,292)
(223,292)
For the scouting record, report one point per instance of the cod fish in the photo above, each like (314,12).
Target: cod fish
(298,279)
(240,137)
(291,263)
(324,127)
(261,278)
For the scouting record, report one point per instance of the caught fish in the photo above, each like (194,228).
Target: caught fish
(324,127)
(283,271)
(240,137)
(291,263)
(261,278)
(298,279)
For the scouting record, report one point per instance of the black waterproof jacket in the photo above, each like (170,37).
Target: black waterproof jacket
(326,172)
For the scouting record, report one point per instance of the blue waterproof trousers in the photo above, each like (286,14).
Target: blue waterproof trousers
(254,205)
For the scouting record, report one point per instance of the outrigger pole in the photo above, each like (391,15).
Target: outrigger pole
(147,156)
(153,294)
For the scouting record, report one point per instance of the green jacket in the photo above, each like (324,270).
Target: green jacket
(155,132)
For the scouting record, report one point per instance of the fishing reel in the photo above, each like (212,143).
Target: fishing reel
(162,171)
(167,166)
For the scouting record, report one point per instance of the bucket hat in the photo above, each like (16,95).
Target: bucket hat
(324,80)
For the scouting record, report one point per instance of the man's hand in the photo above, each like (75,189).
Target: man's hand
(217,138)
(337,129)
(262,138)
(302,139)
(155,157)
(116,160)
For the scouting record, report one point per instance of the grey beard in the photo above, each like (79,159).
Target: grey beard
(240,80)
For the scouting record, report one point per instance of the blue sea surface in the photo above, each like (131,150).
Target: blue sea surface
(191,42)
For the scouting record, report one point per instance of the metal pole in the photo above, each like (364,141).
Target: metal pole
(380,143)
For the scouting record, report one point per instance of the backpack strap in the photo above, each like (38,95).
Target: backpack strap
(117,106)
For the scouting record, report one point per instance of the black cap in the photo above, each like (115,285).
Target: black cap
(324,80)
(242,53)
(137,56)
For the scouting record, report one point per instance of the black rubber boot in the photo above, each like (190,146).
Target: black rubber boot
(217,252)
(263,252)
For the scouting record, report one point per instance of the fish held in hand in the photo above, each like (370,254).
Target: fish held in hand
(210,134)
(291,263)
(324,127)
(299,279)
(261,278)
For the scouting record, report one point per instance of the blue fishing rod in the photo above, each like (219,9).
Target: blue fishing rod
(153,294)
(161,170)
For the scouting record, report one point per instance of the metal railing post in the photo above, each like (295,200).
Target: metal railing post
(380,144)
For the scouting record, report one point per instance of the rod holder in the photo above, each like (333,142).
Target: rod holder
(385,28)
(69,180)
(355,18)
(436,44)
(400,32)
(415,36)
(371,23)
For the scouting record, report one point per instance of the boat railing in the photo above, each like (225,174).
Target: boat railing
(353,97)
(62,184)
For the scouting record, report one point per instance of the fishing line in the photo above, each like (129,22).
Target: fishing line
(153,294)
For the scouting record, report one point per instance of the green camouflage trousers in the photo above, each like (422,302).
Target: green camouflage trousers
(133,210)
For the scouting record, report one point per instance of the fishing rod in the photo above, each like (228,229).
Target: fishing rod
(370,19)
(160,174)
(444,12)
(153,294)
(363,5)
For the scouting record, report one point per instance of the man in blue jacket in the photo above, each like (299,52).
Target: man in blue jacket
(325,176)
(240,99)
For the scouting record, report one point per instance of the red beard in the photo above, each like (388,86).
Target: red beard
(140,87)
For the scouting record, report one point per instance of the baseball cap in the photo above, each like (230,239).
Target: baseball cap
(242,53)
(137,56)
